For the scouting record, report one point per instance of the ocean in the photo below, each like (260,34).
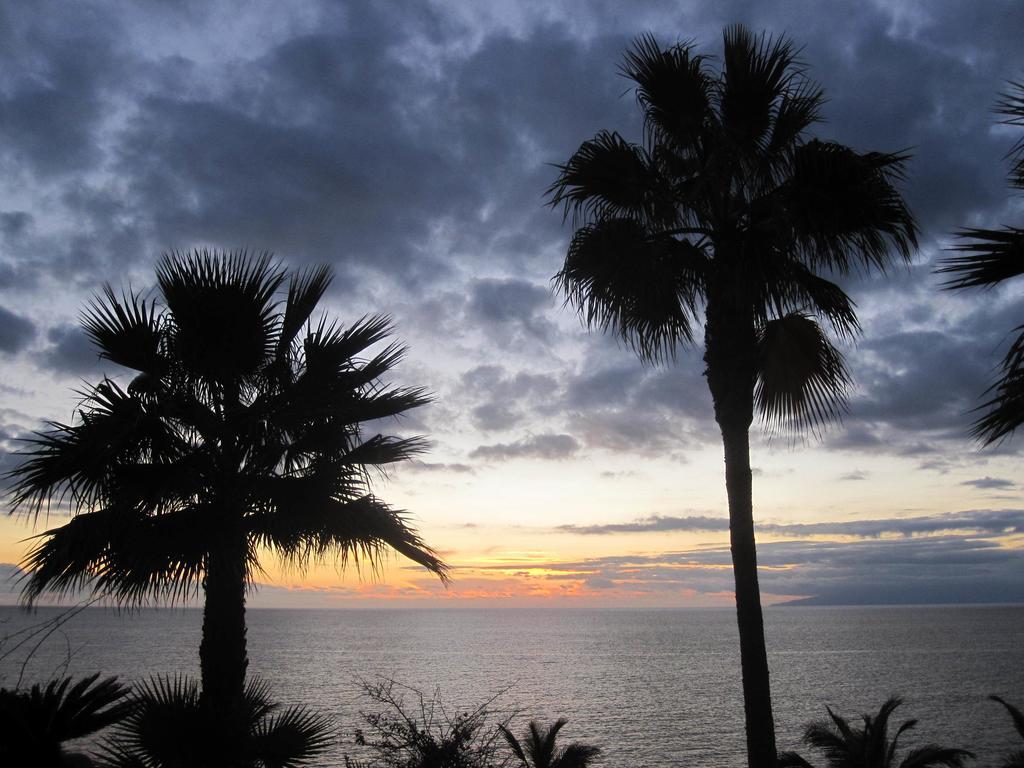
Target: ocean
(650,687)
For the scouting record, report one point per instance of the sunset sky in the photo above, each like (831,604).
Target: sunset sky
(409,145)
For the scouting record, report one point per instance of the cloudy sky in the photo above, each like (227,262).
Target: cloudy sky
(409,145)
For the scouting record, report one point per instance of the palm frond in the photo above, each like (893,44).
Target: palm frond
(608,177)
(222,326)
(76,459)
(61,710)
(645,288)
(1014,759)
(799,107)
(514,745)
(673,89)
(1015,714)
(122,553)
(869,746)
(576,755)
(305,289)
(169,726)
(990,256)
(780,285)
(757,73)
(127,331)
(360,530)
(1003,412)
(1011,107)
(290,738)
(332,347)
(802,381)
(165,727)
(546,741)
(844,210)
(65,559)
(840,743)
(876,732)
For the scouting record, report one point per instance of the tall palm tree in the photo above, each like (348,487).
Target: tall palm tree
(988,257)
(35,723)
(1014,759)
(869,746)
(239,433)
(727,207)
(538,748)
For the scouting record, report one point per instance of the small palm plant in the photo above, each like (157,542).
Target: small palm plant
(35,723)
(1014,759)
(538,750)
(869,746)
(168,728)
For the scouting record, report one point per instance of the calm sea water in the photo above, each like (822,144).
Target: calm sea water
(651,687)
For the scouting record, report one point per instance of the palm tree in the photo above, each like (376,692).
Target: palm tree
(539,749)
(726,206)
(1014,759)
(167,728)
(35,723)
(988,257)
(239,433)
(846,746)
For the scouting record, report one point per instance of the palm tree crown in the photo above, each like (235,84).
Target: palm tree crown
(987,258)
(728,206)
(239,432)
(727,210)
(538,748)
(869,746)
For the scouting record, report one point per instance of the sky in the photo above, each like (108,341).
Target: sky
(409,145)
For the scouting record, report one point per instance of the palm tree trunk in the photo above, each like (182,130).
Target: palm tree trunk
(730,354)
(757,701)
(222,652)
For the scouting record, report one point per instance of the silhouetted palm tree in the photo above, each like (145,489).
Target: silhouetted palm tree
(538,749)
(1014,759)
(167,728)
(847,746)
(991,256)
(35,723)
(240,431)
(727,207)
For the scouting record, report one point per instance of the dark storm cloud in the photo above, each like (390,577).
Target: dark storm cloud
(512,307)
(545,446)
(70,351)
(629,407)
(504,398)
(343,142)
(15,331)
(916,390)
(412,148)
(14,223)
(61,67)
(990,522)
